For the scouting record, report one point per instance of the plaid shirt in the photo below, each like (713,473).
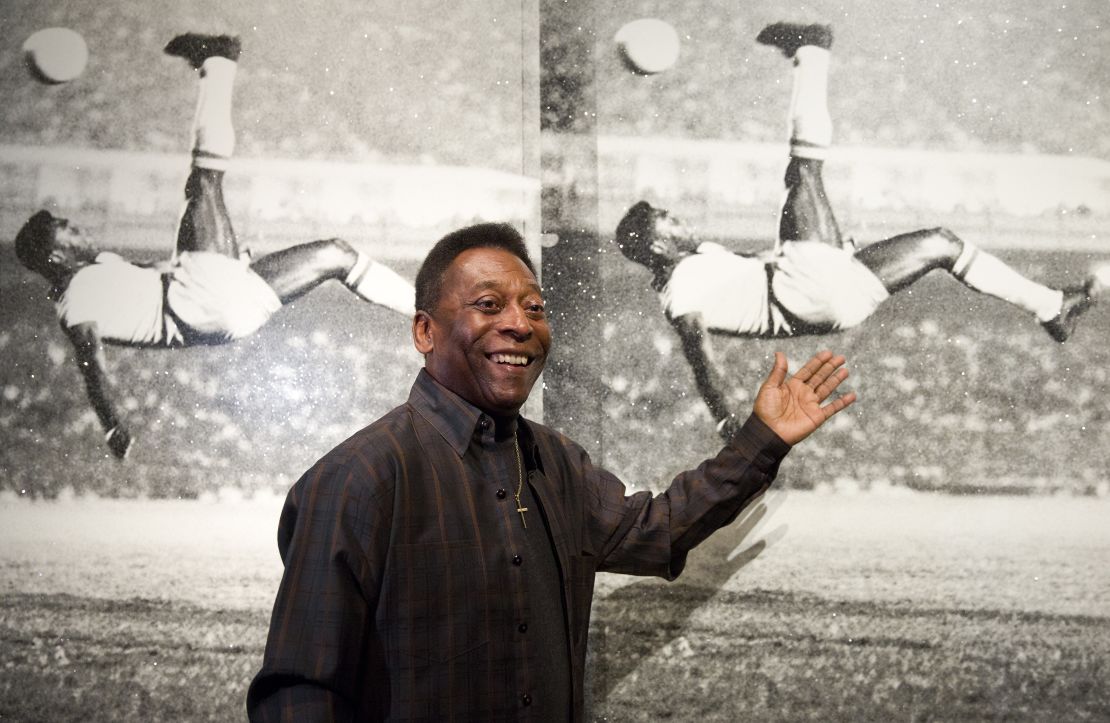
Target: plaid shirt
(404,586)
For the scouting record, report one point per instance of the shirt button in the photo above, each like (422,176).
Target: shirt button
(517,559)
(483,424)
(523,627)
(526,699)
(500,494)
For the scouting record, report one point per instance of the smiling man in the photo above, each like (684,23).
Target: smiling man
(440,563)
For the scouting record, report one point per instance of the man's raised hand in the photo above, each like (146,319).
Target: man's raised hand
(793,408)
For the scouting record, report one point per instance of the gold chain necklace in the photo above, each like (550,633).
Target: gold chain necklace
(520,484)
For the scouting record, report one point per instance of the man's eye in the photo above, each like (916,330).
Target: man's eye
(488,306)
(534,309)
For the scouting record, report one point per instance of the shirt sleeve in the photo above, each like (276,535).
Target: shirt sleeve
(316,651)
(646,534)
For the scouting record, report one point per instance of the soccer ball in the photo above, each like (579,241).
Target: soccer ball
(56,55)
(647,46)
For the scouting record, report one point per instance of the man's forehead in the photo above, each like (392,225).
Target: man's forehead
(490,267)
(495,284)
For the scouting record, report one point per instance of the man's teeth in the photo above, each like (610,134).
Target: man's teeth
(514,359)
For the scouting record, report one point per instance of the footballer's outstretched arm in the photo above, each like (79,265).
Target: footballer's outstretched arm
(91,361)
(698,351)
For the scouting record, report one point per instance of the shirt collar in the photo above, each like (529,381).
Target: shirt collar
(453,417)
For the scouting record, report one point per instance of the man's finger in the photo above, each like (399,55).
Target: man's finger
(826,371)
(838,405)
(812,366)
(828,386)
(778,371)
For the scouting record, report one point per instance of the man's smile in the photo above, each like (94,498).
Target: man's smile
(516,360)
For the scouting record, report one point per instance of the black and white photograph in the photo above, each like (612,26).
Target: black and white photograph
(854,255)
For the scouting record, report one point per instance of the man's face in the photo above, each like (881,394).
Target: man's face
(671,237)
(70,244)
(488,338)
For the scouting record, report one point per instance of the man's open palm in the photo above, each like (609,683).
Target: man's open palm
(793,408)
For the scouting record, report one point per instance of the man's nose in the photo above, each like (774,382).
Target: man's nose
(516,321)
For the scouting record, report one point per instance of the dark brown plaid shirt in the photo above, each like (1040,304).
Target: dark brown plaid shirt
(404,586)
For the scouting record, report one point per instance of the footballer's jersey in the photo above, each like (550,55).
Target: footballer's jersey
(200,297)
(125,301)
(730,291)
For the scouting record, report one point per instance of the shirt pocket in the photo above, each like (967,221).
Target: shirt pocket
(433,607)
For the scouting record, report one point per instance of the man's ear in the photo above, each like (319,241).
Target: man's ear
(422,332)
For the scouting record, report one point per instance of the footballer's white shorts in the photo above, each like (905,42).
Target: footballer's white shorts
(824,286)
(218,297)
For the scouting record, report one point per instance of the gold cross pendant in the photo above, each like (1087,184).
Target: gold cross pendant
(520,486)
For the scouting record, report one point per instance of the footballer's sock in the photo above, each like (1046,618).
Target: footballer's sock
(810,122)
(380,284)
(213,134)
(988,274)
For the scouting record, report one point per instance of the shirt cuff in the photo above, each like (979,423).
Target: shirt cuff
(757,442)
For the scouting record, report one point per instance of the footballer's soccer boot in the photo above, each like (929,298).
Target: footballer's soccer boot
(196,48)
(1077,299)
(788,37)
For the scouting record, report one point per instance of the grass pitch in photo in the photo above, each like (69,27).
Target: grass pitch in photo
(891,605)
